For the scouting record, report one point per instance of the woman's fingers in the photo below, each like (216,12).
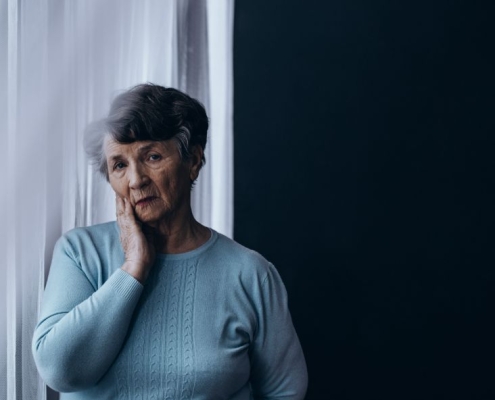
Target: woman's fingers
(125,213)
(136,239)
(128,209)
(131,232)
(119,205)
(120,211)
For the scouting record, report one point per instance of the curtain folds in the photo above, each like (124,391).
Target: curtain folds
(61,64)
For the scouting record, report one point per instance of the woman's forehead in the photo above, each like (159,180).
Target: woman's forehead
(112,148)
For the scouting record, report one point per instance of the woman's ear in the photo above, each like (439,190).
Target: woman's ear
(196,162)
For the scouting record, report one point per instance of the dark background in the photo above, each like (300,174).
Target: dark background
(364,170)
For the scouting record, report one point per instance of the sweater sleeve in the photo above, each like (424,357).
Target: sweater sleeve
(278,367)
(81,328)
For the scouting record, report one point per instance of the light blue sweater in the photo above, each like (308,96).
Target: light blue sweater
(211,323)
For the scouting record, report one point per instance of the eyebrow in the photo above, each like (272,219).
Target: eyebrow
(145,148)
(142,149)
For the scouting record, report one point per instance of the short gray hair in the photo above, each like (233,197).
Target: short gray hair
(149,112)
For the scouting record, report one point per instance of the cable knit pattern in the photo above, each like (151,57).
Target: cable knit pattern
(209,324)
(171,338)
(188,378)
(156,344)
(165,328)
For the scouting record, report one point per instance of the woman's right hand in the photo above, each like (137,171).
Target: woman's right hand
(138,247)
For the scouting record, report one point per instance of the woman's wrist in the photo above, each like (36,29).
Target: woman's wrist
(137,271)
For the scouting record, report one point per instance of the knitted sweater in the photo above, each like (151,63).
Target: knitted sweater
(211,323)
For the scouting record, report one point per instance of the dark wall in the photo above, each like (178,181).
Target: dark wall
(364,170)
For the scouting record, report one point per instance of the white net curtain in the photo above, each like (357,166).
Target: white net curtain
(61,63)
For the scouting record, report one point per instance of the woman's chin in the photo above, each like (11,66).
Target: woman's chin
(147,213)
(146,216)
(150,216)
(147,219)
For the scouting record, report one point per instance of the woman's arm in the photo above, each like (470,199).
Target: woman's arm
(278,367)
(82,328)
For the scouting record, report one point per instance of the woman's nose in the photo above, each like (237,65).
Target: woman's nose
(138,177)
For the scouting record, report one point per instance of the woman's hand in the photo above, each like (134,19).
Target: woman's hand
(136,240)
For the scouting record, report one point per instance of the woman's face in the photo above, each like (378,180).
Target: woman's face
(152,176)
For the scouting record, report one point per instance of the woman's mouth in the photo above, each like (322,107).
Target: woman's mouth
(146,201)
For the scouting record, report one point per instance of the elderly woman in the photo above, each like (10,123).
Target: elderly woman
(156,305)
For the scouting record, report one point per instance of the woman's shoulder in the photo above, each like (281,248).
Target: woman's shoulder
(94,249)
(239,257)
(83,239)
(97,231)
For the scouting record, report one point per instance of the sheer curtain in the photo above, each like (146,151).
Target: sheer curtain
(61,63)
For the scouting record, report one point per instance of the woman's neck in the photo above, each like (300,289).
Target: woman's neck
(179,234)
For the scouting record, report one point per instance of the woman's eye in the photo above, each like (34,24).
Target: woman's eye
(154,157)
